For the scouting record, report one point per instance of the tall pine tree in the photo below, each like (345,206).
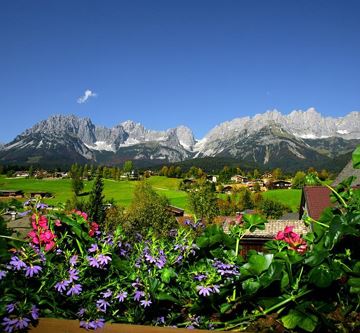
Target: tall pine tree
(96,200)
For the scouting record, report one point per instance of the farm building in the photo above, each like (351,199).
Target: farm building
(314,199)
(11,193)
(279,184)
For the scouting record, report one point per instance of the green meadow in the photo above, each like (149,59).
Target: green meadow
(289,197)
(122,191)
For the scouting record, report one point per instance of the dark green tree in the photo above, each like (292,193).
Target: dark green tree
(96,200)
(299,180)
(203,202)
(77,183)
(149,210)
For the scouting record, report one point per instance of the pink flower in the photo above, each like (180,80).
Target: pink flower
(34,237)
(83,214)
(49,245)
(47,236)
(293,239)
(58,223)
(93,228)
(288,229)
(280,235)
(43,222)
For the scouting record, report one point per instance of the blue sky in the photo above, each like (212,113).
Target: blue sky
(172,62)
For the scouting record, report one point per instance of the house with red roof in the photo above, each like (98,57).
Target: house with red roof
(314,199)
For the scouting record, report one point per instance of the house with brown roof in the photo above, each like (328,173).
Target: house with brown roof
(345,173)
(314,199)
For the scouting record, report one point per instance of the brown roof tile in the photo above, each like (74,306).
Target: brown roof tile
(317,198)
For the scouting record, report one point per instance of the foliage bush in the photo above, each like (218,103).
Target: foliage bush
(68,268)
(148,210)
(272,209)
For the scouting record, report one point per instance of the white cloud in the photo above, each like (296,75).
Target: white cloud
(87,94)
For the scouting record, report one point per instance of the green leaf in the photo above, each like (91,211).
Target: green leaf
(251,286)
(292,319)
(316,258)
(225,307)
(356,158)
(308,322)
(295,318)
(284,280)
(121,265)
(167,274)
(321,276)
(259,263)
(253,222)
(162,296)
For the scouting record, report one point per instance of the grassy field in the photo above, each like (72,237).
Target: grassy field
(290,197)
(121,192)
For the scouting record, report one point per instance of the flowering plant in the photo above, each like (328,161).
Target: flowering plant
(68,267)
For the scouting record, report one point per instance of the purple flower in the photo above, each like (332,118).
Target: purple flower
(58,252)
(73,275)
(81,312)
(102,304)
(99,323)
(73,260)
(22,323)
(138,294)
(61,286)
(32,270)
(26,212)
(160,320)
(10,307)
(41,206)
(121,296)
(93,262)
(87,324)
(93,248)
(2,274)
(17,263)
(215,288)
(106,294)
(9,324)
(74,290)
(103,259)
(145,303)
(149,258)
(200,277)
(204,291)
(34,312)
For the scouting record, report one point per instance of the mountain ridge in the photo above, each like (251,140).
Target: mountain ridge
(268,139)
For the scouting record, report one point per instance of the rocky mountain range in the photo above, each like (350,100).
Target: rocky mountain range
(297,140)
